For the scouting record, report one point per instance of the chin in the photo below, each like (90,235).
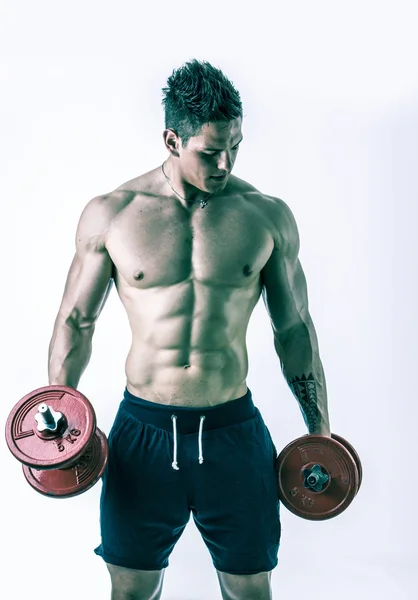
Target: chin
(217,185)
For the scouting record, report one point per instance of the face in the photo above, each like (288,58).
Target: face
(209,157)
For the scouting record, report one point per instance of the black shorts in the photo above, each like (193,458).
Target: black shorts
(216,463)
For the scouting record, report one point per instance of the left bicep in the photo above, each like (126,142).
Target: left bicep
(284,288)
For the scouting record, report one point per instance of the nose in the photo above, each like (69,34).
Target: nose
(225,162)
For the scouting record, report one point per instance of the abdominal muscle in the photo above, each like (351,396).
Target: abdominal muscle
(186,360)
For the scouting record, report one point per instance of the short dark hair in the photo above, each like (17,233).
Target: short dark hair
(198,93)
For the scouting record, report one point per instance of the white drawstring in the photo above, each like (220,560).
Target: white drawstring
(202,418)
(174,464)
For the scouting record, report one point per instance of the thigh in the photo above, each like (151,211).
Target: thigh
(235,498)
(143,505)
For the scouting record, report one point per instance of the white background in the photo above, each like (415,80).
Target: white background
(330,94)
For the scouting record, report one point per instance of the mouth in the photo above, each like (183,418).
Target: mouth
(219,177)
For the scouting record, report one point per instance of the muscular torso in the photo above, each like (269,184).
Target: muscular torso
(189,279)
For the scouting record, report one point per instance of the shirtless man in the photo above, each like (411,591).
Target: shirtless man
(190,249)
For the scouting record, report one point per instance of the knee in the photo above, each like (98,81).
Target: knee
(245,587)
(129,584)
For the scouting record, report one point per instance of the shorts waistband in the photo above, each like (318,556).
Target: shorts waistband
(188,418)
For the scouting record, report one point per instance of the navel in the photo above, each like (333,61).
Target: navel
(247,270)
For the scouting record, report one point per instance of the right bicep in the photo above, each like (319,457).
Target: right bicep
(90,275)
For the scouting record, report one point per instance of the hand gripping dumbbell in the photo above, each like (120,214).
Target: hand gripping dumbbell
(318,476)
(52,432)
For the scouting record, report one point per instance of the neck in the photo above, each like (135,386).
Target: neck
(182,189)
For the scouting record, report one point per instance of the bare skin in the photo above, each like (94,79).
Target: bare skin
(189,279)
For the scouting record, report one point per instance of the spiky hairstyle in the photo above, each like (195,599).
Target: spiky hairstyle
(198,93)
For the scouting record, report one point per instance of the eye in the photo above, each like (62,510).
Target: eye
(235,148)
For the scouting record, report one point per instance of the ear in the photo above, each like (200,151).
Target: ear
(171,142)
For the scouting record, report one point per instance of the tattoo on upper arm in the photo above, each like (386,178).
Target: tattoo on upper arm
(304,390)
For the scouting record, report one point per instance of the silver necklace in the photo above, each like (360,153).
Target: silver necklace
(203,202)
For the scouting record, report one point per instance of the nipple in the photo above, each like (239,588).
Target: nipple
(138,275)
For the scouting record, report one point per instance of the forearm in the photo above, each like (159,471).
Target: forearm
(302,368)
(69,353)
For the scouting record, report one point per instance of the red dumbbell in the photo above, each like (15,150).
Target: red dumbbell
(52,432)
(318,476)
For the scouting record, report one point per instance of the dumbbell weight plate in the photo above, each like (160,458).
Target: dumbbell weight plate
(353,453)
(72,481)
(336,461)
(62,449)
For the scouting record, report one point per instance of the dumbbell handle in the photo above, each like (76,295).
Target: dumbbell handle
(48,419)
(315,478)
